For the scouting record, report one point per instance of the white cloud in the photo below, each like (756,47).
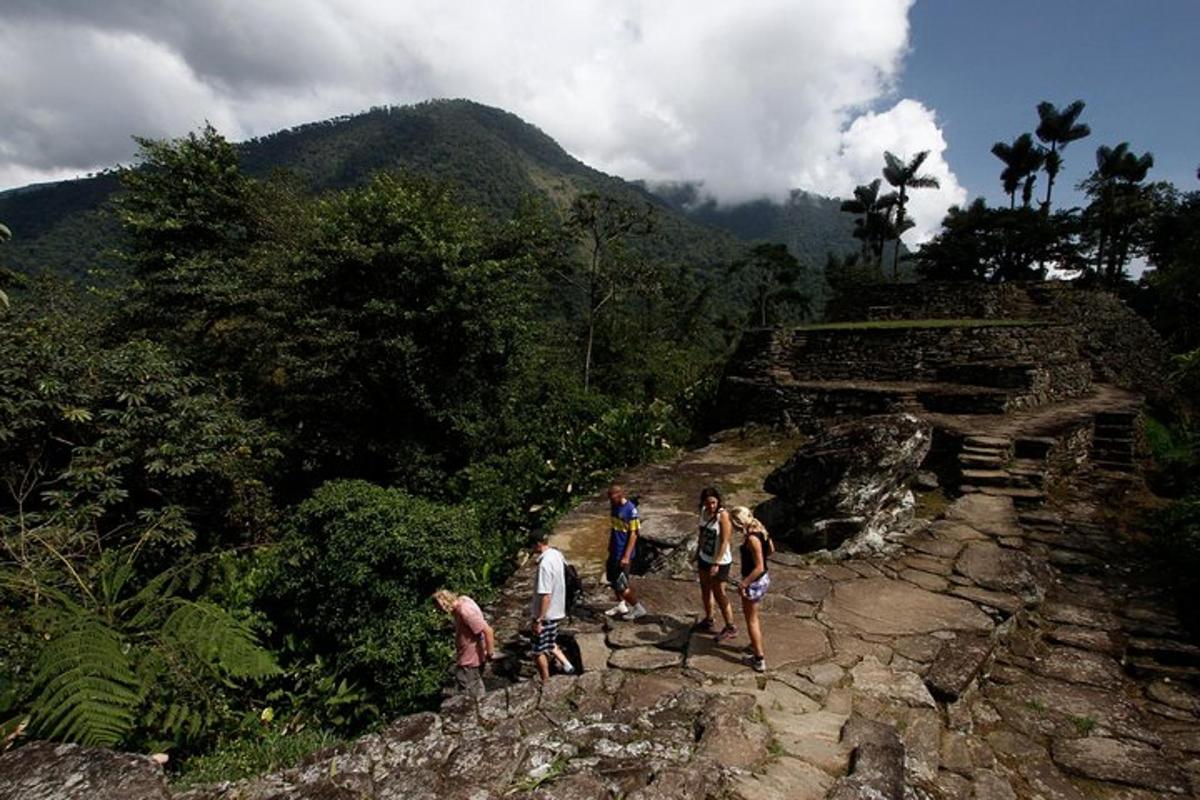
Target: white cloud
(753,98)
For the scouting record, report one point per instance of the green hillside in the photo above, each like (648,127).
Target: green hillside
(492,156)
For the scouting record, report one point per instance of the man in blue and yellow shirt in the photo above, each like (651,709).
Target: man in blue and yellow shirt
(622,547)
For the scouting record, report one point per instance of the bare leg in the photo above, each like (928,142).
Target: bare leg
(706,592)
(718,590)
(543,666)
(630,596)
(753,626)
(562,658)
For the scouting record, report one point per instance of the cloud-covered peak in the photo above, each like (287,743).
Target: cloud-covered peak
(752,99)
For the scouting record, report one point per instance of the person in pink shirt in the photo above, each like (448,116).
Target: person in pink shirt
(474,640)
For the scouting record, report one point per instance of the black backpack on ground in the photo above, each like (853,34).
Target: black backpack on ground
(573,585)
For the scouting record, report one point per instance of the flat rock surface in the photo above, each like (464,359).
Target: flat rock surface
(644,658)
(881,606)
(1119,761)
(659,630)
(50,771)
(1002,569)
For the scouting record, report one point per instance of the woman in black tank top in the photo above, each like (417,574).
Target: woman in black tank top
(756,548)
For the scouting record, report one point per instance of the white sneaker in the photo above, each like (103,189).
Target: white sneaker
(620,609)
(637,612)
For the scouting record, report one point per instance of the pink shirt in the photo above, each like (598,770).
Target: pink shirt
(469,625)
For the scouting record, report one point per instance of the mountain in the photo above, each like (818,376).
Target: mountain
(810,225)
(492,156)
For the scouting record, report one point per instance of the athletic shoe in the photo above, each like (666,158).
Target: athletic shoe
(637,612)
(760,665)
(728,632)
(704,626)
(567,668)
(618,610)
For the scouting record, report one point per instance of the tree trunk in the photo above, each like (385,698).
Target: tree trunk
(1050,178)
(587,359)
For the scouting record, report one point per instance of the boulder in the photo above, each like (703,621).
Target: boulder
(52,771)
(850,482)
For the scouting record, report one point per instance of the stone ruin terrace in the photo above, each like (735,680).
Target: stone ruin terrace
(1010,647)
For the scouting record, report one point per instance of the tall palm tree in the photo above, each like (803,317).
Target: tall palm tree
(1115,186)
(1058,129)
(1022,160)
(872,227)
(904,176)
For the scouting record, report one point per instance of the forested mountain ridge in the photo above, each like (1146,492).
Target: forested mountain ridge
(493,157)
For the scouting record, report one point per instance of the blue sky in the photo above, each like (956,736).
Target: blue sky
(984,66)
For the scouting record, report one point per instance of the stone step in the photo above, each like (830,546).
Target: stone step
(1112,432)
(995,452)
(1113,447)
(1032,477)
(1166,651)
(1149,668)
(988,441)
(1021,496)
(980,461)
(987,477)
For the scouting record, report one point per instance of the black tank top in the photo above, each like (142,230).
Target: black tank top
(748,554)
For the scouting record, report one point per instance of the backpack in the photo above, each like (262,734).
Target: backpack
(573,585)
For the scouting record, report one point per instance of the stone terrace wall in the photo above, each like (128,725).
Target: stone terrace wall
(929,300)
(1121,345)
(923,353)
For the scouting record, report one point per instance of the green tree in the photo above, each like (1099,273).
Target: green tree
(773,273)
(352,576)
(986,244)
(1118,217)
(1173,250)
(873,225)
(1058,128)
(903,176)
(603,224)
(1022,160)
(119,471)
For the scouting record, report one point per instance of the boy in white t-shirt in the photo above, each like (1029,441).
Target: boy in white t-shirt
(549,604)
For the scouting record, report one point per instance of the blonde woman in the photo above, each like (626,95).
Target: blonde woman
(475,642)
(714,557)
(756,548)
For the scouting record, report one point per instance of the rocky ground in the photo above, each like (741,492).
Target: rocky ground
(995,653)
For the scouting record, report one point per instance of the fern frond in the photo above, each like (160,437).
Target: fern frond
(212,635)
(87,692)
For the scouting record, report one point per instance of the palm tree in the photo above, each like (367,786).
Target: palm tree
(1022,160)
(1116,208)
(904,177)
(1058,129)
(873,226)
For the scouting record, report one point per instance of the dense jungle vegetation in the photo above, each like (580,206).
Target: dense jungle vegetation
(234,471)
(234,466)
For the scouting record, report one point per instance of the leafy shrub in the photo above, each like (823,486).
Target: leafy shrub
(1176,536)
(251,753)
(352,576)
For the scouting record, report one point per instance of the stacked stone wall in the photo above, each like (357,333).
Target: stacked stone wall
(1121,346)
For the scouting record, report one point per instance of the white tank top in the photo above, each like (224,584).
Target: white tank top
(710,538)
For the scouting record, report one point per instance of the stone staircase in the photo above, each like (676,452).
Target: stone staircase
(1114,441)
(1002,467)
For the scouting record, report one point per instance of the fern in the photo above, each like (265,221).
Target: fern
(212,635)
(87,691)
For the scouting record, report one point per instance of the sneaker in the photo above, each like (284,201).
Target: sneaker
(637,612)
(618,610)
(728,632)
(759,664)
(567,668)
(704,626)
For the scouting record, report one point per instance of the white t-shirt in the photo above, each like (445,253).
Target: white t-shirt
(551,579)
